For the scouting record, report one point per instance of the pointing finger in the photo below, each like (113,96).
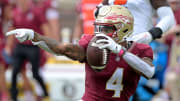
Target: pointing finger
(13,32)
(102,41)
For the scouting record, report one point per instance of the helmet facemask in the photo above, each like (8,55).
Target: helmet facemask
(107,29)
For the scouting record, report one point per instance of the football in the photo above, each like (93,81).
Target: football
(96,57)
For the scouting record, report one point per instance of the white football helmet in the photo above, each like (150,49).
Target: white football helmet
(115,21)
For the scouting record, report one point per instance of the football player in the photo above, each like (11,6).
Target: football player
(127,60)
(26,14)
(143,11)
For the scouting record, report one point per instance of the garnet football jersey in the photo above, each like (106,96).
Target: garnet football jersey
(118,81)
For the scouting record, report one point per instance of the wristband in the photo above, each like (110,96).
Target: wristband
(122,51)
(156,32)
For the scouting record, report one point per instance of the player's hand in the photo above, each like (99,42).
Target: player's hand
(145,37)
(108,43)
(22,34)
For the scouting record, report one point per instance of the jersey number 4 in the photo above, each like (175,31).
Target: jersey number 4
(115,83)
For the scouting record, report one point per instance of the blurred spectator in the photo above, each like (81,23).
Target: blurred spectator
(4,58)
(28,15)
(9,42)
(172,39)
(49,9)
(78,28)
(53,17)
(6,50)
(173,32)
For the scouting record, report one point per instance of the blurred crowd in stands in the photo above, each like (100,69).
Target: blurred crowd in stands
(43,17)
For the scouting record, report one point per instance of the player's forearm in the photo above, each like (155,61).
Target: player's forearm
(144,68)
(74,52)
(46,43)
(167,19)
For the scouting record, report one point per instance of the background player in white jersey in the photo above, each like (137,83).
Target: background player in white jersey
(143,11)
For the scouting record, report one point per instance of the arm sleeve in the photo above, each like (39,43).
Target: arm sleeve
(167,19)
(136,63)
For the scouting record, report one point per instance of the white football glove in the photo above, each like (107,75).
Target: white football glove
(108,43)
(22,34)
(145,37)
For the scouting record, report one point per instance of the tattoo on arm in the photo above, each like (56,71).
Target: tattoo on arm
(158,3)
(72,51)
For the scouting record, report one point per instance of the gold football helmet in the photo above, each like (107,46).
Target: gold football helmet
(115,21)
